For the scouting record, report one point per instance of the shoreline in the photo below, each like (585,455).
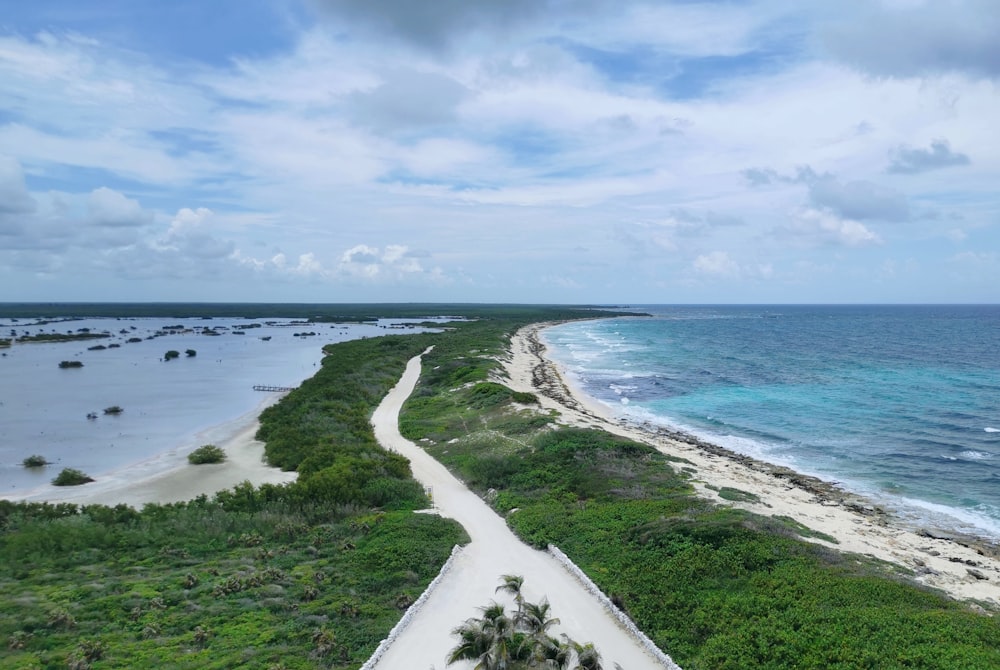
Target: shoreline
(169,478)
(964,567)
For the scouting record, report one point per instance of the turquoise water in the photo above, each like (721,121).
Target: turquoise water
(170,406)
(901,403)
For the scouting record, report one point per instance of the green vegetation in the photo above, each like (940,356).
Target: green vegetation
(171,355)
(114,410)
(190,353)
(496,641)
(206,453)
(713,586)
(62,337)
(313,574)
(70,364)
(71,477)
(34,461)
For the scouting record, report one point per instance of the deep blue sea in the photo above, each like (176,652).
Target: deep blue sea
(899,403)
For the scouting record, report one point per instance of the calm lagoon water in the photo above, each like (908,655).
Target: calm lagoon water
(170,406)
(900,403)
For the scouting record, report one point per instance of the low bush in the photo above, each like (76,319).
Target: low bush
(207,453)
(72,477)
(34,461)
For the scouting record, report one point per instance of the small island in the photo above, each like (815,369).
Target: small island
(34,461)
(71,477)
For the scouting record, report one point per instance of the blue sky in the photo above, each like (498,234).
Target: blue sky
(569,151)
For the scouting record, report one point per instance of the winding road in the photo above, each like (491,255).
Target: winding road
(493,551)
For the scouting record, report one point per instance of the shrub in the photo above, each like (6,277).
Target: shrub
(170,355)
(190,352)
(71,477)
(70,364)
(114,409)
(524,397)
(207,453)
(34,461)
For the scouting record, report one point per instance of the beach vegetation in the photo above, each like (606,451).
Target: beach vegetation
(34,461)
(207,453)
(190,353)
(519,640)
(71,477)
(316,572)
(713,586)
(114,410)
(171,355)
(70,364)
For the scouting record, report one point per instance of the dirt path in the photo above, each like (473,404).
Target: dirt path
(494,551)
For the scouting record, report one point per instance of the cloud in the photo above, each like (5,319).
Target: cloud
(14,196)
(716,263)
(913,161)
(914,39)
(719,264)
(189,234)
(407,100)
(815,226)
(432,25)
(860,200)
(371,263)
(761,176)
(106,207)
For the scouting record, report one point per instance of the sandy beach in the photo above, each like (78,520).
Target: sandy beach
(170,478)
(961,567)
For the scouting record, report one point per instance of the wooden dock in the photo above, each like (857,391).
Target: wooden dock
(273,389)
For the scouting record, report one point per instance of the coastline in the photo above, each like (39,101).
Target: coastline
(965,568)
(169,478)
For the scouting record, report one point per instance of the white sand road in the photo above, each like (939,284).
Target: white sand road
(494,551)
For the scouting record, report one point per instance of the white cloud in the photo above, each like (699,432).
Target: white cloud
(716,263)
(822,227)
(14,196)
(106,207)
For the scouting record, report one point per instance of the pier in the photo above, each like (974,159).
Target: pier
(273,389)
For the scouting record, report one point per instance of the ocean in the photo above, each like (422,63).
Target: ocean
(897,403)
(170,407)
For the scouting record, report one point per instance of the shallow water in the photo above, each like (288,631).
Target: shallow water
(168,405)
(900,403)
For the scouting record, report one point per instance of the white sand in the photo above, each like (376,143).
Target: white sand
(939,563)
(494,551)
(170,478)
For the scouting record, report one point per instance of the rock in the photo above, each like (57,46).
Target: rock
(977,574)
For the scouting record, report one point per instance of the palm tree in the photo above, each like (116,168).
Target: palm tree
(493,641)
(512,585)
(536,620)
(496,641)
(587,657)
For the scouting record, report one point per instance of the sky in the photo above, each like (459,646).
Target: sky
(543,151)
